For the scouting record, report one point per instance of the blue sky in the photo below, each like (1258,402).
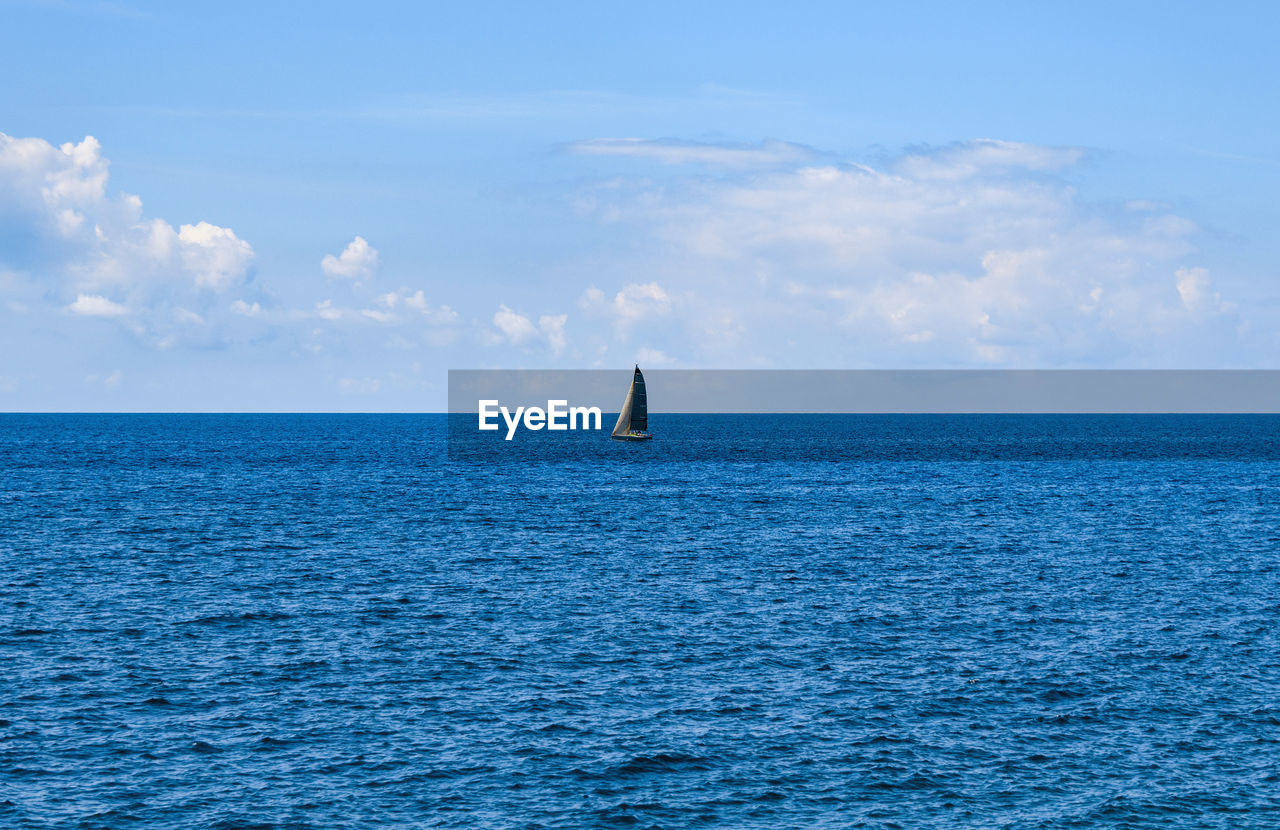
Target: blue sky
(325,207)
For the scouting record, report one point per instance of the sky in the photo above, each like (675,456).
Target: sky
(325,207)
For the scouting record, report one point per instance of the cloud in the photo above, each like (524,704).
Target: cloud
(56,198)
(966,159)
(1196,292)
(213,255)
(973,254)
(652,357)
(552,328)
(187,317)
(69,239)
(517,329)
(380,316)
(92,305)
(357,261)
(592,300)
(71,247)
(325,310)
(635,301)
(670,151)
(418,304)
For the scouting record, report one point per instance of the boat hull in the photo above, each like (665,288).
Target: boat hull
(644,436)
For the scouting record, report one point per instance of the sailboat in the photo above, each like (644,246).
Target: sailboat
(633,421)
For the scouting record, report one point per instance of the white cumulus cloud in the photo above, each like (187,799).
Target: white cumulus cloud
(70,237)
(213,255)
(57,196)
(357,261)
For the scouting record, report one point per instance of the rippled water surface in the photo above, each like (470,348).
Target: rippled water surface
(320,621)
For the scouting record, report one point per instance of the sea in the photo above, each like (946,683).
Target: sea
(767,621)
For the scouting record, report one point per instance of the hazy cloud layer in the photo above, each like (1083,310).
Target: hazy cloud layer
(670,151)
(977,253)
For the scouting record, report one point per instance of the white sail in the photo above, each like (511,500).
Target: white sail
(624,417)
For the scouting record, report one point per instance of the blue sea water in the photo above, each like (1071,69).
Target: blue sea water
(275,621)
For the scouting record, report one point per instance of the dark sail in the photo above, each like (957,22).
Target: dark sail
(639,404)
